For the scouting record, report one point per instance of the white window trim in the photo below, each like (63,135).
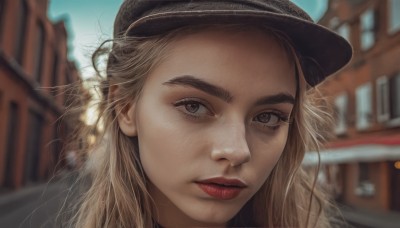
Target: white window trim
(334,22)
(345,28)
(359,125)
(391,30)
(363,45)
(341,127)
(382,117)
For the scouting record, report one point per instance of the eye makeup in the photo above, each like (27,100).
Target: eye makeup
(270,119)
(197,109)
(194,108)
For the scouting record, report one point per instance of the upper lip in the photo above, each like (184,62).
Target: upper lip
(230,182)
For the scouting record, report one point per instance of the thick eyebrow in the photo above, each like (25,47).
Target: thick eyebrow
(276,99)
(188,80)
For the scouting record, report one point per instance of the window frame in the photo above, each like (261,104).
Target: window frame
(341,113)
(33,145)
(68,96)
(371,30)
(359,98)
(39,51)
(345,27)
(54,76)
(13,137)
(22,25)
(391,29)
(382,99)
(394,99)
(365,187)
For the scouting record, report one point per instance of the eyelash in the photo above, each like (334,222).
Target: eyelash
(181,105)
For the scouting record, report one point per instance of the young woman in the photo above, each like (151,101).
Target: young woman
(208,108)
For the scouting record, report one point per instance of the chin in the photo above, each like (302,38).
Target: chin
(214,217)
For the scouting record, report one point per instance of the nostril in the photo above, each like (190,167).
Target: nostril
(230,143)
(242,157)
(235,156)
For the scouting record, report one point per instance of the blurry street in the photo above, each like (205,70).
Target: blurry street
(363,218)
(36,206)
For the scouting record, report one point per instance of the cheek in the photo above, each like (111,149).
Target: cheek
(266,153)
(157,144)
(166,144)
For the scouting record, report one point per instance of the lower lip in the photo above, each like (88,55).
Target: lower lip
(220,192)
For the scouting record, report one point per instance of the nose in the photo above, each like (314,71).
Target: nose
(230,144)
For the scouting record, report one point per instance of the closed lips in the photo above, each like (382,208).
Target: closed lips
(221,188)
(223,182)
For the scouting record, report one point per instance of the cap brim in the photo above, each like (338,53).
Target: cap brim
(328,49)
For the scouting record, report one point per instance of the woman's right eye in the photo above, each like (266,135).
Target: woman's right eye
(192,108)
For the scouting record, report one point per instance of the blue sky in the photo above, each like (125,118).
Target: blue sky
(89,22)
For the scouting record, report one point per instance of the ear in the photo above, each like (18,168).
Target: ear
(126,116)
(127,120)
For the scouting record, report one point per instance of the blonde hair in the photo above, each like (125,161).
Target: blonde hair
(118,196)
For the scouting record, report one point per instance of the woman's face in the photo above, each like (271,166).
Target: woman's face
(212,122)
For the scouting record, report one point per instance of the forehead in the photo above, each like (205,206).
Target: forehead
(249,59)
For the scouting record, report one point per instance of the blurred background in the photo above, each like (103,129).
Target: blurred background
(46,45)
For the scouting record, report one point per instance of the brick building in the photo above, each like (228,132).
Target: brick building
(33,57)
(362,165)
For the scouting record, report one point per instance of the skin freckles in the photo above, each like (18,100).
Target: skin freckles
(217,106)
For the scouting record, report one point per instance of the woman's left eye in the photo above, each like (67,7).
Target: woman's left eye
(270,119)
(193,108)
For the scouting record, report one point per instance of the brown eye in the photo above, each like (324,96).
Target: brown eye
(192,107)
(268,118)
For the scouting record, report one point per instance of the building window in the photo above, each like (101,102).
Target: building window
(21,31)
(394,16)
(12,140)
(365,187)
(344,31)
(334,22)
(394,98)
(382,99)
(54,77)
(340,105)
(368,29)
(364,106)
(39,52)
(32,158)
(57,145)
(68,91)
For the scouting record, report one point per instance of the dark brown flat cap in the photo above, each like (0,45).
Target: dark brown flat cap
(322,51)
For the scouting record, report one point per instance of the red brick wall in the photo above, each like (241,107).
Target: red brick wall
(18,85)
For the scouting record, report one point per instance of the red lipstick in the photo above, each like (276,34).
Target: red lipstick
(221,188)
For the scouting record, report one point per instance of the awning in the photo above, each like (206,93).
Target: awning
(353,154)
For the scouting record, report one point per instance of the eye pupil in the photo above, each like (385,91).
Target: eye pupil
(192,107)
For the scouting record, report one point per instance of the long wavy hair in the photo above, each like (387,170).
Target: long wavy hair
(117,195)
